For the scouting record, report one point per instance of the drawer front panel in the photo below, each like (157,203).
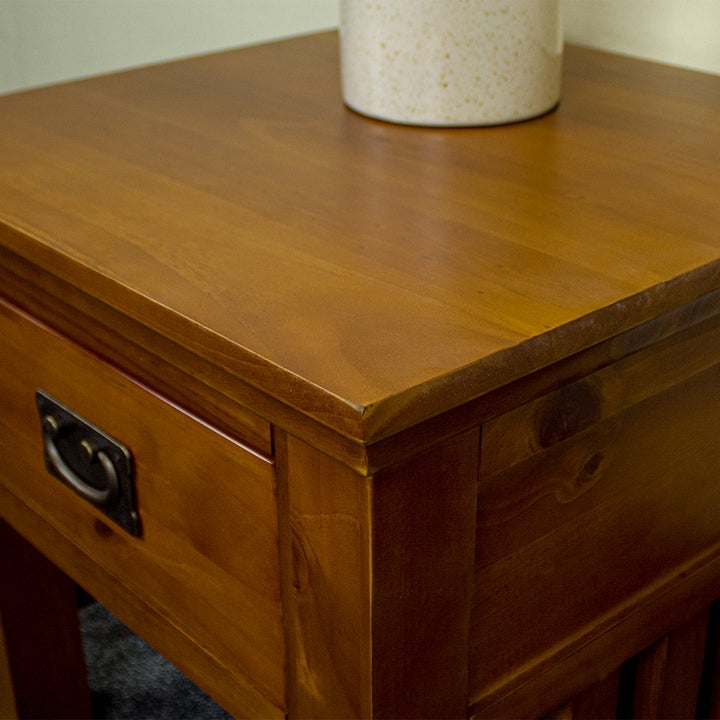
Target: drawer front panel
(207,559)
(590,499)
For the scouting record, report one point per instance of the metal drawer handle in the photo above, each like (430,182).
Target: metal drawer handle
(95,466)
(102,498)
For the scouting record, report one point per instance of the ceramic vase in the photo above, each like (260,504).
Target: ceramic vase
(451,62)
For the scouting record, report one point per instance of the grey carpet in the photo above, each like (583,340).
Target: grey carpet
(130,681)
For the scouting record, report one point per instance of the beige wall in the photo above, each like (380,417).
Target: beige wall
(45,41)
(680,32)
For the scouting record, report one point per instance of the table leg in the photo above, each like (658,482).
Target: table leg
(42,665)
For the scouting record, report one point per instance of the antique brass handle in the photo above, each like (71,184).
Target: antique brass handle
(94,465)
(100,497)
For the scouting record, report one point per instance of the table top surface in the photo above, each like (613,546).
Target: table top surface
(369,274)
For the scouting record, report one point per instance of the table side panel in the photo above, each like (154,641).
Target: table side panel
(591,498)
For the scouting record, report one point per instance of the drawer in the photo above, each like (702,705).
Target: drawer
(207,557)
(592,499)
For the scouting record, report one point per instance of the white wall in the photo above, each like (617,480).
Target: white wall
(680,32)
(46,41)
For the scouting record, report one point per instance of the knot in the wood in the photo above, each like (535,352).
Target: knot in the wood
(567,412)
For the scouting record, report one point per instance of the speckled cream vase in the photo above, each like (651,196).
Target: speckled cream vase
(451,62)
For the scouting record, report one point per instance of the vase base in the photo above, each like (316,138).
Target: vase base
(442,124)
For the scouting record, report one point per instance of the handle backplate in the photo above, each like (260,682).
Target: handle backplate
(95,466)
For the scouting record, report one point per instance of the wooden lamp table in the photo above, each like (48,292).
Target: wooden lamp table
(350,419)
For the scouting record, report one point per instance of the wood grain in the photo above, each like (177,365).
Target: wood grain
(377,582)
(668,674)
(39,626)
(222,399)
(327,568)
(619,636)
(145,355)
(449,439)
(232,691)
(207,558)
(597,702)
(423,530)
(593,495)
(429,265)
